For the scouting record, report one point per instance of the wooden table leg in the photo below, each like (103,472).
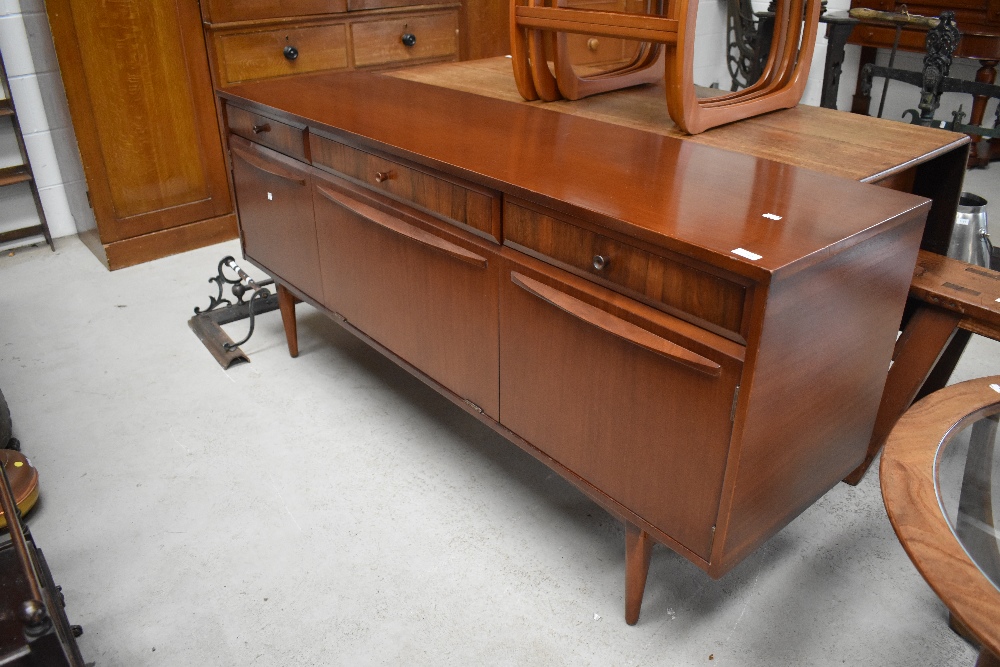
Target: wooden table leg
(980,154)
(286,303)
(638,547)
(919,347)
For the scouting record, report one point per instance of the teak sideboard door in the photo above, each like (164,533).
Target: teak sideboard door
(137,81)
(274,194)
(427,295)
(637,403)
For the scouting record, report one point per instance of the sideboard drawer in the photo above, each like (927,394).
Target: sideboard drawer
(463,203)
(386,42)
(265,54)
(683,289)
(266,131)
(225,11)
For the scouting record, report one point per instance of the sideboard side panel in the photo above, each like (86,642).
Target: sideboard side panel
(819,370)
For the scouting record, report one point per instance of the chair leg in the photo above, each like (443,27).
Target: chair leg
(638,546)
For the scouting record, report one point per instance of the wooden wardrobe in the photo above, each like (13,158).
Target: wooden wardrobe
(137,81)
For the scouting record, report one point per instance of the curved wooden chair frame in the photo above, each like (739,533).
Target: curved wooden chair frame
(781,85)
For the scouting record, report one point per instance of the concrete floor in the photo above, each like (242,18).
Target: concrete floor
(331,510)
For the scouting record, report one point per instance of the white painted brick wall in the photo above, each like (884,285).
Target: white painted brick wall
(36,87)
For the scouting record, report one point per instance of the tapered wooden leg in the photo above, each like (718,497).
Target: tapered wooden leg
(924,338)
(638,546)
(286,303)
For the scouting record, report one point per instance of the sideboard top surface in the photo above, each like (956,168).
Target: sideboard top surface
(682,195)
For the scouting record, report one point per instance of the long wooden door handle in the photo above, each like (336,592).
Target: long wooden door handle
(267,166)
(404,229)
(617,326)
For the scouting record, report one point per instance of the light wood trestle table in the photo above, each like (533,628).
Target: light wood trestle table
(695,331)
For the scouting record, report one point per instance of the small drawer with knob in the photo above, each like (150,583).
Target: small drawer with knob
(675,285)
(265,54)
(405,38)
(451,200)
(259,129)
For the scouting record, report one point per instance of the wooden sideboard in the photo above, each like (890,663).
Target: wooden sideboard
(698,339)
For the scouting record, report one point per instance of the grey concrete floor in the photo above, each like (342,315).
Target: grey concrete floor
(331,510)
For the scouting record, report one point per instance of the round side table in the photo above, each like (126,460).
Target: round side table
(938,472)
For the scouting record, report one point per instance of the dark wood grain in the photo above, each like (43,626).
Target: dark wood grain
(909,489)
(138,87)
(462,203)
(684,290)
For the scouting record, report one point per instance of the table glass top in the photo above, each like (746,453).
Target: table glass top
(968,486)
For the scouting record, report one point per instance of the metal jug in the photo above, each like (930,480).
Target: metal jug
(970,241)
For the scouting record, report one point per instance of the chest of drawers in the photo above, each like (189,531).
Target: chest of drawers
(249,41)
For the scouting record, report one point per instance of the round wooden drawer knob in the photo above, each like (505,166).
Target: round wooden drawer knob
(382,176)
(593,43)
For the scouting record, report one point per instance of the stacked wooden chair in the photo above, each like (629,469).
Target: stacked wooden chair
(659,33)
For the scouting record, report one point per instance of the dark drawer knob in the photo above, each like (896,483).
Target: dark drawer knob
(291,52)
(263,127)
(600,262)
(382,176)
(408,39)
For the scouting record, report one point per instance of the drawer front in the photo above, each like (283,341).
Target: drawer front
(386,42)
(466,205)
(619,394)
(682,289)
(267,54)
(586,50)
(274,200)
(428,296)
(263,130)
(224,11)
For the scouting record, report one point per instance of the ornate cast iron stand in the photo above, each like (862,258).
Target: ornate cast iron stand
(933,81)
(207,324)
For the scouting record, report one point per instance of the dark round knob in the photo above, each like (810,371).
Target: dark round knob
(408,39)
(600,262)
(291,52)
(32,613)
(382,176)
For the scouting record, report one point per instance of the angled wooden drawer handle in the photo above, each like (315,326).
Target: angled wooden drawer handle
(404,229)
(616,326)
(267,166)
